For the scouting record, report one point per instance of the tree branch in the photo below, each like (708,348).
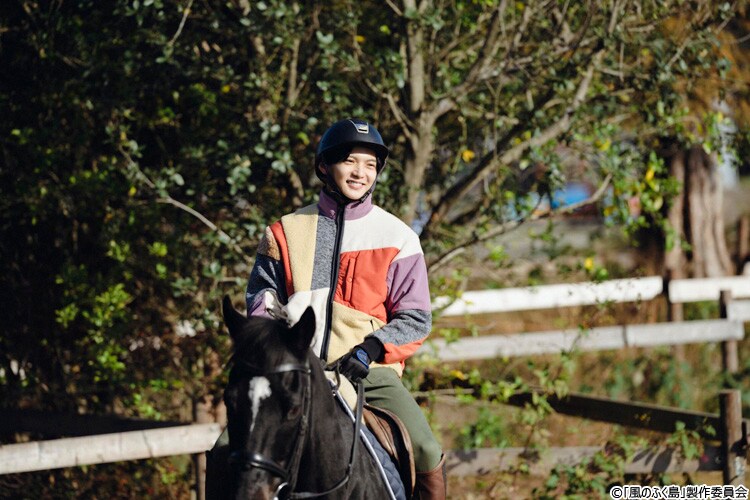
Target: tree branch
(292,89)
(185,14)
(394,8)
(489,162)
(415,61)
(444,258)
(486,55)
(166,198)
(403,121)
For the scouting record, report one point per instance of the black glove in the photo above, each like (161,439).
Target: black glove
(355,364)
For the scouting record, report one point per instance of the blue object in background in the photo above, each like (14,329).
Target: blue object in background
(573,192)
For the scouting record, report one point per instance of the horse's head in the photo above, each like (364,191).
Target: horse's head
(267,398)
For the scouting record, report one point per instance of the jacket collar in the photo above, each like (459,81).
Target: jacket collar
(353,210)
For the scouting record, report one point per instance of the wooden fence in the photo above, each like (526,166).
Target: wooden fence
(728,456)
(731,429)
(587,294)
(592,339)
(197,438)
(727,330)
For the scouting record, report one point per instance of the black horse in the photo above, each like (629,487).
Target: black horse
(287,436)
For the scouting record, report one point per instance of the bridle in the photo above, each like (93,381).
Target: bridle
(288,475)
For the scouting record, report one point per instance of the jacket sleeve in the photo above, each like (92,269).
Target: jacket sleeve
(266,290)
(408,306)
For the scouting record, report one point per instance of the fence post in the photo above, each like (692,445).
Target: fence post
(732,445)
(729,355)
(201,415)
(674,309)
(675,313)
(743,242)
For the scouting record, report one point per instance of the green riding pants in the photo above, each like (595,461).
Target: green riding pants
(384,389)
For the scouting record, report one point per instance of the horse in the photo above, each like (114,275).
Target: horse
(288,437)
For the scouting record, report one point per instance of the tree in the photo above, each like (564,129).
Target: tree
(695,218)
(144,148)
(146,143)
(480,91)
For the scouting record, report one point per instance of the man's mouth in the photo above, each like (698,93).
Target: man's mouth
(355,184)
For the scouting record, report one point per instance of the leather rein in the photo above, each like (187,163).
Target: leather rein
(288,475)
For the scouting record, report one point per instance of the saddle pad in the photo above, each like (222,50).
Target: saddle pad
(391,473)
(388,468)
(394,438)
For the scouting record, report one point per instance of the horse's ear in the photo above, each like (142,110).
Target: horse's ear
(232,318)
(301,334)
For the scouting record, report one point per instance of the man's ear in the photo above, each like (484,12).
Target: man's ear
(322,168)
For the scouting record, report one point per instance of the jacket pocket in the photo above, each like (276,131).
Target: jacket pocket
(347,281)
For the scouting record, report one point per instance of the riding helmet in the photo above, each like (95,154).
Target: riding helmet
(341,137)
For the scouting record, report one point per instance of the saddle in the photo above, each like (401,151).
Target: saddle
(393,437)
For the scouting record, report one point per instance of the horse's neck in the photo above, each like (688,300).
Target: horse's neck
(329,424)
(329,440)
(328,447)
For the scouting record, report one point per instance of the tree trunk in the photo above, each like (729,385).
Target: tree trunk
(696,218)
(420,146)
(705,216)
(675,260)
(418,158)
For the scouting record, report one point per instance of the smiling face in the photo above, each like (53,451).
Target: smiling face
(355,175)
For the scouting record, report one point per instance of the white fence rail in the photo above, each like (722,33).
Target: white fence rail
(106,448)
(193,439)
(585,294)
(739,310)
(594,339)
(551,296)
(702,289)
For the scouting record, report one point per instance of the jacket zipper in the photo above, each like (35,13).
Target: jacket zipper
(335,267)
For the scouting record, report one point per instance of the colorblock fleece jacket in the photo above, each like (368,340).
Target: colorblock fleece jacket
(360,268)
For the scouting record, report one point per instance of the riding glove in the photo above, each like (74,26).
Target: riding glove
(355,365)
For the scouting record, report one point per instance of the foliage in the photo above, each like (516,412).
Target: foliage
(592,477)
(486,432)
(162,478)
(147,143)
(656,376)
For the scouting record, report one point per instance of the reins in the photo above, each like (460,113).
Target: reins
(289,476)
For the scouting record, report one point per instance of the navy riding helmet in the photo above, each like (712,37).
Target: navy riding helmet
(343,136)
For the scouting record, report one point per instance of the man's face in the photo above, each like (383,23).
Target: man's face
(355,175)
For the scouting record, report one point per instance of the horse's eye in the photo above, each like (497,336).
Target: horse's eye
(294,412)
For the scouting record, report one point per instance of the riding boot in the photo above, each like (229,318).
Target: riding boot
(432,484)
